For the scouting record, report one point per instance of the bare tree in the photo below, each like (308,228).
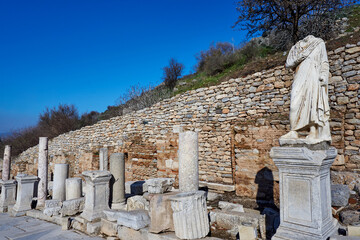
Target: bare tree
(172,73)
(285,15)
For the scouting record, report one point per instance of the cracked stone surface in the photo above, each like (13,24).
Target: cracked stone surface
(28,228)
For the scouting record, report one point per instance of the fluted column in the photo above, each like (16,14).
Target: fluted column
(42,171)
(190,215)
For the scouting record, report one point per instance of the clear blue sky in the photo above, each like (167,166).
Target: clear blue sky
(87,53)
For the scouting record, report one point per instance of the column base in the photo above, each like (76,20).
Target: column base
(118,206)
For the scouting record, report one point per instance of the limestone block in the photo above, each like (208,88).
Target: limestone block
(160,185)
(93,228)
(108,228)
(161,213)
(247,233)
(112,215)
(137,203)
(73,188)
(305,193)
(190,215)
(126,233)
(226,206)
(52,207)
(61,172)
(339,195)
(348,217)
(353,231)
(7,197)
(25,194)
(136,187)
(136,219)
(97,194)
(188,161)
(72,207)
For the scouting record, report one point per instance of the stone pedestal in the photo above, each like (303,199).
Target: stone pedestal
(188,161)
(7,197)
(61,173)
(117,169)
(6,163)
(42,172)
(25,194)
(190,215)
(305,195)
(103,158)
(97,194)
(73,188)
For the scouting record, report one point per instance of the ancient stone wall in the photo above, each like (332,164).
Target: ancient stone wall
(238,122)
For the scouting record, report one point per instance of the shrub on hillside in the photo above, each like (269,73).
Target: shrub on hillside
(172,73)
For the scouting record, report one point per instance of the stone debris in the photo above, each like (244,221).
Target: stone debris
(136,187)
(137,203)
(160,185)
(247,233)
(233,207)
(136,219)
(52,207)
(161,213)
(72,207)
(350,217)
(339,195)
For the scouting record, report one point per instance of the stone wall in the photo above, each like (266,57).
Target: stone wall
(238,122)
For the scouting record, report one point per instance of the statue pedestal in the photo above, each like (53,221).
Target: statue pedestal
(305,195)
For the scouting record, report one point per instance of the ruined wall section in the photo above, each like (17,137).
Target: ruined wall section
(238,123)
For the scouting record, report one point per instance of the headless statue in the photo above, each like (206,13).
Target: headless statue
(309,106)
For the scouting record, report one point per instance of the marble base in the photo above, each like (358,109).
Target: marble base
(8,192)
(305,194)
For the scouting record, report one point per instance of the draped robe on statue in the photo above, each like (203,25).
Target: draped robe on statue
(309,97)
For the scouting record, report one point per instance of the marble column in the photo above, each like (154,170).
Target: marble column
(305,194)
(42,171)
(103,157)
(188,161)
(117,169)
(6,163)
(24,195)
(7,197)
(73,188)
(190,215)
(97,194)
(61,173)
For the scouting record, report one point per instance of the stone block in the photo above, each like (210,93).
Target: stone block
(108,228)
(349,217)
(161,213)
(25,194)
(52,207)
(93,228)
(136,203)
(126,233)
(135,187)
(353,231)
(72,207)
(247,233)
(160,185)
(226,206)
(8,192)
(339,195)
(136,219)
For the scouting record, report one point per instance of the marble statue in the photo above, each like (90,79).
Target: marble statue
(309,107)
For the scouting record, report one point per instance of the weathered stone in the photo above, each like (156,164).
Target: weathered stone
(73,188)
(97,194)
(6,163)
(136,219)
(103,158)
(160,185)
(61,173)
(136,187)
(190,215)
(161,213)
(137,203)
(353,231)
(188,161)
(306,196)
(52,207)
(25,194)
(226,206)
(42,172)
(131,234)
(117,169)
(7,196)
(349,217)
(247,232)
(339,195)
(72,207)
(93,228)
(108,228)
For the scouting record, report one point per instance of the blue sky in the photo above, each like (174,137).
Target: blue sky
(87,53)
